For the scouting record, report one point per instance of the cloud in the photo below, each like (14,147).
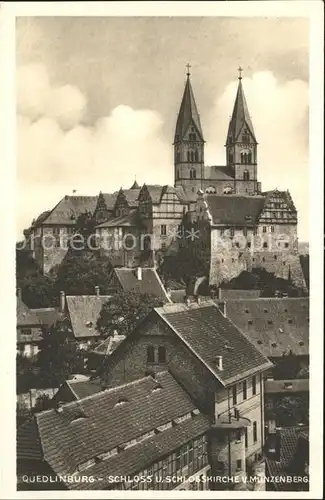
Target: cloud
(279,112)
(57,151)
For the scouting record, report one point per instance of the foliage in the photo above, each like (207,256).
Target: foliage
(287,410)
(59,356)
(37,290)
(289,367)
(26,375)
(85,226)
(124,311)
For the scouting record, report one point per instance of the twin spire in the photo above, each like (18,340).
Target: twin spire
(188,113)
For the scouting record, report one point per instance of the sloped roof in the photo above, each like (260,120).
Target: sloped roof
(150,282)
(26,317)
(132,196)
(290,437)
(69,209)
(235,210)
(240,116)
(128,220)
(286,386)
(95,425)
(208,334)
(274,325)
(110,199)
(84,311)
(135,185)
(155,192)
(48,315)
(84,388)
(107,346)
(188,113)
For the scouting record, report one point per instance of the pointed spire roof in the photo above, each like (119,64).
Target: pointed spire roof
(188,113)
(135,185)
(240,116)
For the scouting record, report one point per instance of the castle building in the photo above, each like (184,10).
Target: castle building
(216,201)
(239,175)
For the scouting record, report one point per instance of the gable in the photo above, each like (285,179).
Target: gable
(278,208)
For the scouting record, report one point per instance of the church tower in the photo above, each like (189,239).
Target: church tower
(241,146)
(189,144)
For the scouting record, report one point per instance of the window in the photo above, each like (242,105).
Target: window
(234,395)
(254,385)
(250,322)
(286,245)
(163,230)
(246,175)
(192,174)
(265,244)
(272,229)
(245,231)
(238,435)
(161,354)
(188,156)
(26,331)
(150,354)
(163,246)
(178,460)
(255,432)
(246,437)
(249,244)
(245,389)
(238,464)
(275,257)
(232,231)
(264,229)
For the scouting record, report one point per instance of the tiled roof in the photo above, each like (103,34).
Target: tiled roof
(84,388)
(231,294)
(209,334)
(218,172)
(288,448)
(155,191)
(132,196)
(150,282)
(235,210)
(48,315)
(129,220)
(84,311)
(69,208)
(107,346)
(24,316)
(274,325)
(110,199)
(87,428)
(286,386)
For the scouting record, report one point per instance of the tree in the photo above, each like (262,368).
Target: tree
(124,311)
(37,290)
(85,226)
(81,271)
(59,356)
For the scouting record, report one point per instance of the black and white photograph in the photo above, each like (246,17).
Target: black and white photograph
(162,253)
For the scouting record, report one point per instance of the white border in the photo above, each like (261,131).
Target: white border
(8,11)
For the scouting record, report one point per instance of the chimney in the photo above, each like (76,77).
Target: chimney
(139,273)
(18,293)
(62,301)
(97,290)
(219,363)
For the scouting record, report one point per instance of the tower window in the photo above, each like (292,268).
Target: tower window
(192,137)
(255,431)
(177,175)
(178,157)
(188,156)
(246,175)
(163,230)
(196,156)
(192,173)
(249,157)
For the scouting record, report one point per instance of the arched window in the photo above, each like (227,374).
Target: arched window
(192,156)
(227,190)
(246,175)
(249,157)
(242,157)
(210,190)
(196,155)
(192,173)
(230,157)
(150,354)
(161,354)
(188,156)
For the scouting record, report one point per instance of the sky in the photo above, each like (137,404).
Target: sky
(97,101)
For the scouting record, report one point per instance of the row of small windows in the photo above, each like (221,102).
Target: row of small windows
(153,358)
(192,156)
(246,158)
(244,391)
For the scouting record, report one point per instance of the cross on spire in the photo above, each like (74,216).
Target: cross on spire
(240,70)
(188,66)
